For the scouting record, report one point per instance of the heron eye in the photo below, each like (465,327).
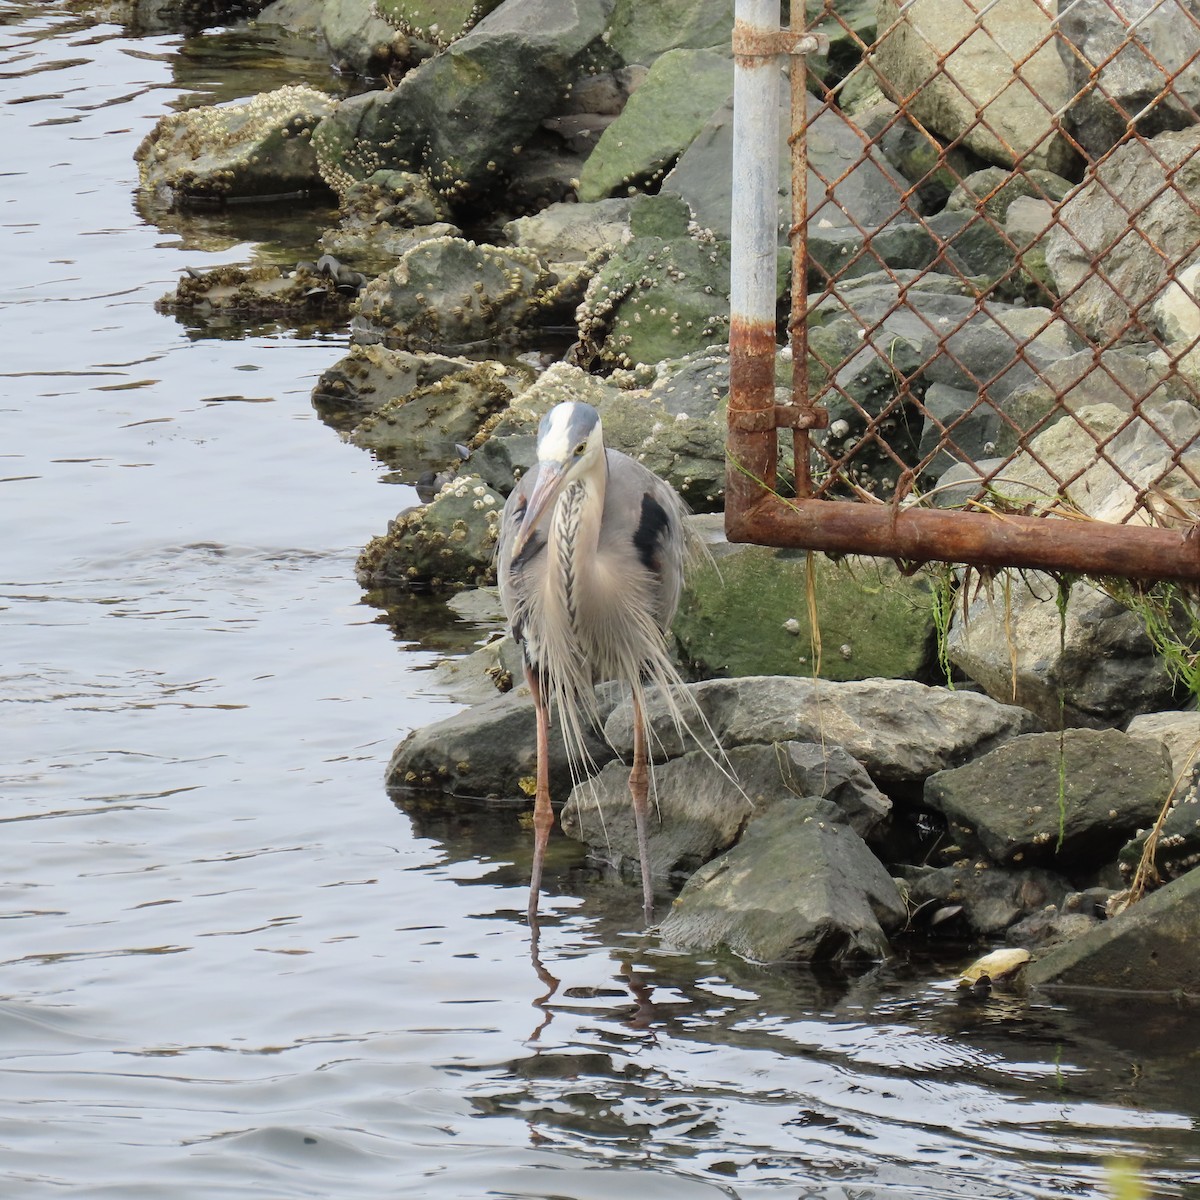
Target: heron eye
(580,449)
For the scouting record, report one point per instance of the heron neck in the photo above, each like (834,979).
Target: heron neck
(575,528)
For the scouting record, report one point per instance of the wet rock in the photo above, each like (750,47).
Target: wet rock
(990,899)
(1176,848)
(901,731)
(1069,801)
(745,613)
(571,232)
(354,35)
(1129,60)
(1087,662)
(959,71)
(257,291)
(442,546)
(661,294)
(1143,187)
(487,751)
(699,812)
(800,885)
(1053,926)
(449,293)
(422,427)
(1149,948)
(661,119)
(258,149)
(369,376)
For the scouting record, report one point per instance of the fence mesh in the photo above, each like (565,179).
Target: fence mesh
(1003,256)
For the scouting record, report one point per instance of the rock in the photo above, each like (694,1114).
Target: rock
(850,183)
(465,117)
(1149,949)
(445,545)
(1129,60)
(660,121)
(571,232)
(368,377)
(901,731)
(1179,732)
(639,33)
(661,294)
(964,431)
(487,751)
(1177,848)
(960,70)
(1143,188)
(800,885)
(994,190)
(1139,455)
(449,293)
(699,812)
(991,899)
(353,33)
(745,614)
(420,429)
(1123,376)
(259,149)
(992,968)
(1065,800)
(438,22)
(257,292)
(1087,663)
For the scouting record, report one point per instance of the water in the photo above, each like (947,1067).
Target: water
(230,965)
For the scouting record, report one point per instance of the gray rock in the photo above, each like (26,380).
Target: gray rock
(959,70)
(973,433)
(1177,848)
(571,232)
(256,149)
(1143,186)
(849,182)
(487,751)
(1089,664)
(800,885)
(449,293)
(901,731)
(699,812)
(661,119)
(1179,732)
(1150,948)
(1069,801)
(1127,58)
(437,22)
(639,32)
(991,899)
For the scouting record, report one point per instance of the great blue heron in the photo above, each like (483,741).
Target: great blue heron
(590,564)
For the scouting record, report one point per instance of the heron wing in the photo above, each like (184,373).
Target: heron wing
(645,527)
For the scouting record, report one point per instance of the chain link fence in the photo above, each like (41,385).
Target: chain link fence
(1000,314)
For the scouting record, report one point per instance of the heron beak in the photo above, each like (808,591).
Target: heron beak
(550,480)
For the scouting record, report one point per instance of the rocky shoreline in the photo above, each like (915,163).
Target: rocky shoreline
(554,173)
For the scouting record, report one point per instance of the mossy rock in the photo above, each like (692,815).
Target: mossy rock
(661,119)
(747,614)
(438,22)
(640,32)
(442,546)
(657,297)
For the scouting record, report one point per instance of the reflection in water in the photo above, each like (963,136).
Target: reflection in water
(230,966)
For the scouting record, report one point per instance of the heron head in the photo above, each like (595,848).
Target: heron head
(570,447)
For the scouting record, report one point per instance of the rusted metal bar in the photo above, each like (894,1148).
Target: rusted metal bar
(798,239)
(751,445)
(978,539)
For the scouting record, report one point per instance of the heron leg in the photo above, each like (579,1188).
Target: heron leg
(543,814)
(639,787)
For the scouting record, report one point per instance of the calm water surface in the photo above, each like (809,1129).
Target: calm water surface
(230,965)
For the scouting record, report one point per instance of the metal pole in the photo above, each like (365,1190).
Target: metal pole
(751,447)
